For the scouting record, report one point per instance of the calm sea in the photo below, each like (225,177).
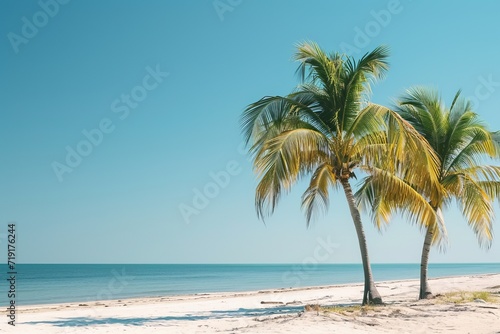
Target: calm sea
(57,283)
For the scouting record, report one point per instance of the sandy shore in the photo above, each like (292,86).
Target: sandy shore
(276,311)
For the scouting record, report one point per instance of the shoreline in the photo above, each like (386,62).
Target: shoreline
(233,293)
(276,311)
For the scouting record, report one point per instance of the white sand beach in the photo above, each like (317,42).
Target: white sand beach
(277,311)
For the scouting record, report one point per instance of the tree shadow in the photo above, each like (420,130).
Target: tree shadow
(140,321)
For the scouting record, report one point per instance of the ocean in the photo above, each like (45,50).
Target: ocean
(60,283)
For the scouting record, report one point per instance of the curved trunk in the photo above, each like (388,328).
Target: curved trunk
(425,290)
(370,295)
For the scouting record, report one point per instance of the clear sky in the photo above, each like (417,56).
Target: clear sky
(116,115)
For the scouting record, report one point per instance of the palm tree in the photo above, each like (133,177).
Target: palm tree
(327,128)
(462,143)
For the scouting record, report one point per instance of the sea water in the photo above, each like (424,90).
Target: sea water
(60,283)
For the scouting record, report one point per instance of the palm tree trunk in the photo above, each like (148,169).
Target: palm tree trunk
(425,290)
(370,295)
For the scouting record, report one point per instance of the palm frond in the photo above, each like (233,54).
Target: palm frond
(475,146)
(315,199)
(477,210)
(315,65)
(358,75)
(383,193)
(281,160)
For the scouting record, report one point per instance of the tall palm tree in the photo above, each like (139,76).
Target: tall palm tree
(327,128)
(462,143)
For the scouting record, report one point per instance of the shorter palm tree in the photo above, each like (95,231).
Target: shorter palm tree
(462,143)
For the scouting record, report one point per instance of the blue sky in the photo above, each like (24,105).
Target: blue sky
(159,87)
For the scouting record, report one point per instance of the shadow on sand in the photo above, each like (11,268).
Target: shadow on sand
(242,312)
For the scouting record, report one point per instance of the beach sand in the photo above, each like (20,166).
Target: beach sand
(276,311)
